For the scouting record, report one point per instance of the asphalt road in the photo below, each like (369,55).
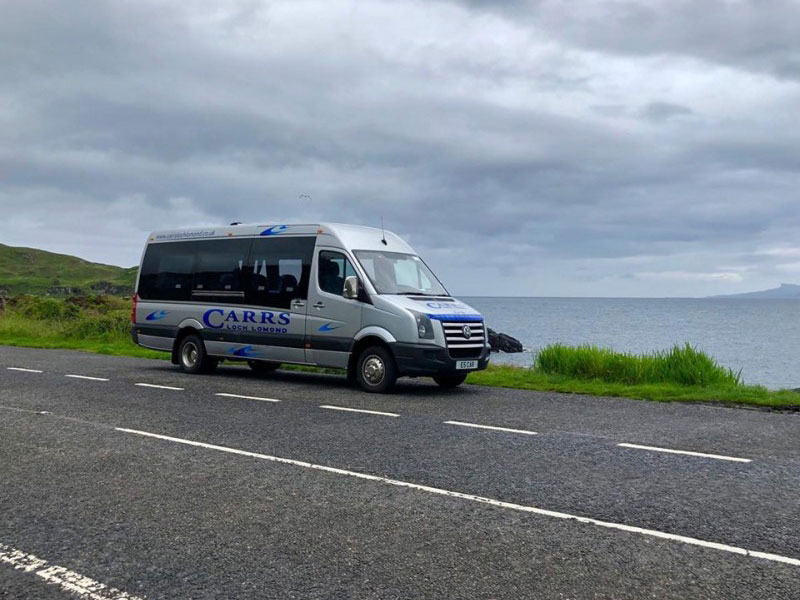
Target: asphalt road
(252,498)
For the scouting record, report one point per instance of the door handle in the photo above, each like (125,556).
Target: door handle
(319,305)
(298,303)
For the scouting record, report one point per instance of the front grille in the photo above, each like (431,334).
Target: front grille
(458,344)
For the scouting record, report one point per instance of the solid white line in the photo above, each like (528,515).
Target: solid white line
(479,499)
(360,410)
(247,397)
(492,427)
(160,387)
(688,453)
(78,584)
(87,377)
(24,370)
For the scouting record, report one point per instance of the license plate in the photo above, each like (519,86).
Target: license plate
(466,364)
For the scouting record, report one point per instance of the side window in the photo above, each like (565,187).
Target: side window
(167,271)
(220,270)
(281,268)
(333,268)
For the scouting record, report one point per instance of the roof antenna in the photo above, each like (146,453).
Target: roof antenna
(383,234)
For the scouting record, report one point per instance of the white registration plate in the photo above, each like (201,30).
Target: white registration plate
(466,364)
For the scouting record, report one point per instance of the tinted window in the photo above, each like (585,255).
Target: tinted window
(220,273)
(332,269)
(281,267)
(167,271)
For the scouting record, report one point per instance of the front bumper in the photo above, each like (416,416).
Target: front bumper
(422,359)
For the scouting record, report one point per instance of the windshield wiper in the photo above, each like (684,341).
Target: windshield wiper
(415,294)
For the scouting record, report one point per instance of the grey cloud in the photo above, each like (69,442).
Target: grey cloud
(517,166)
(761,36)
(659,111)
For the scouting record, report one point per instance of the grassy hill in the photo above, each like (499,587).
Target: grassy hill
(31,271)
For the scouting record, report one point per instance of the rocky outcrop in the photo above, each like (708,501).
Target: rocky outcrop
(64,290)
(105,287)
(500,342)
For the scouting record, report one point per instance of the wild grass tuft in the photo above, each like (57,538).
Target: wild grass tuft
(682,365)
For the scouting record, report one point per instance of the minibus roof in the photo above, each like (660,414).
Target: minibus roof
(351,237)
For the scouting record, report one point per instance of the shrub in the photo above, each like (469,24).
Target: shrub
(92,326)
(44,309)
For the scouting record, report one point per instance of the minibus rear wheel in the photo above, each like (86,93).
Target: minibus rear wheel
(448,382)
(376,371)
(193,357)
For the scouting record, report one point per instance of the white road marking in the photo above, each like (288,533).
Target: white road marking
(360,410)
(247,397)
(87,377)
(78,584)
(24,370)
(160,387)
(492,427)
(687,452)
(479,499)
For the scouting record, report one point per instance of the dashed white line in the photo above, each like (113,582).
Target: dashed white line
(492,427)
(247,397)
(80,585)
(160,387)
(24,370)
(686,452)
(360,410)
(479,499)
(87,377)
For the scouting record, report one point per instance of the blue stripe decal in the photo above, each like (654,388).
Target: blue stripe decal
(464,318)
(274,230)
(246,351)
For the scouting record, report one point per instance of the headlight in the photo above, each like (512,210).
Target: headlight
(424,326)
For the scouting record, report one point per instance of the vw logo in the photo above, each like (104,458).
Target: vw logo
(467,331)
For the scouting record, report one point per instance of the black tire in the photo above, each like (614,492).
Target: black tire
(193,358)
(376,371)
(262,367)
(448,382)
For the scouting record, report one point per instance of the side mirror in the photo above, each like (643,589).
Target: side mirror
(351,288)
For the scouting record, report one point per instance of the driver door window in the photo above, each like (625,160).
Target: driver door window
(332,270)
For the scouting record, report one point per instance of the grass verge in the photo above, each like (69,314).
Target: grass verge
(100,324)
(532,379)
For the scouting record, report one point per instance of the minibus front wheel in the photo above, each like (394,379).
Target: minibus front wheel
(193,357)
(376,371)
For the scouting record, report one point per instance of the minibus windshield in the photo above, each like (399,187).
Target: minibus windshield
(397,273)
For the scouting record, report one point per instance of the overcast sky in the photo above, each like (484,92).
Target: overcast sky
(582,148)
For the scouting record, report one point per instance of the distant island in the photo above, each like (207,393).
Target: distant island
(786,290)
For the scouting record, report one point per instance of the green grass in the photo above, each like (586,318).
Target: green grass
(32,271)
(101,324)
(532,379)
(92,323)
